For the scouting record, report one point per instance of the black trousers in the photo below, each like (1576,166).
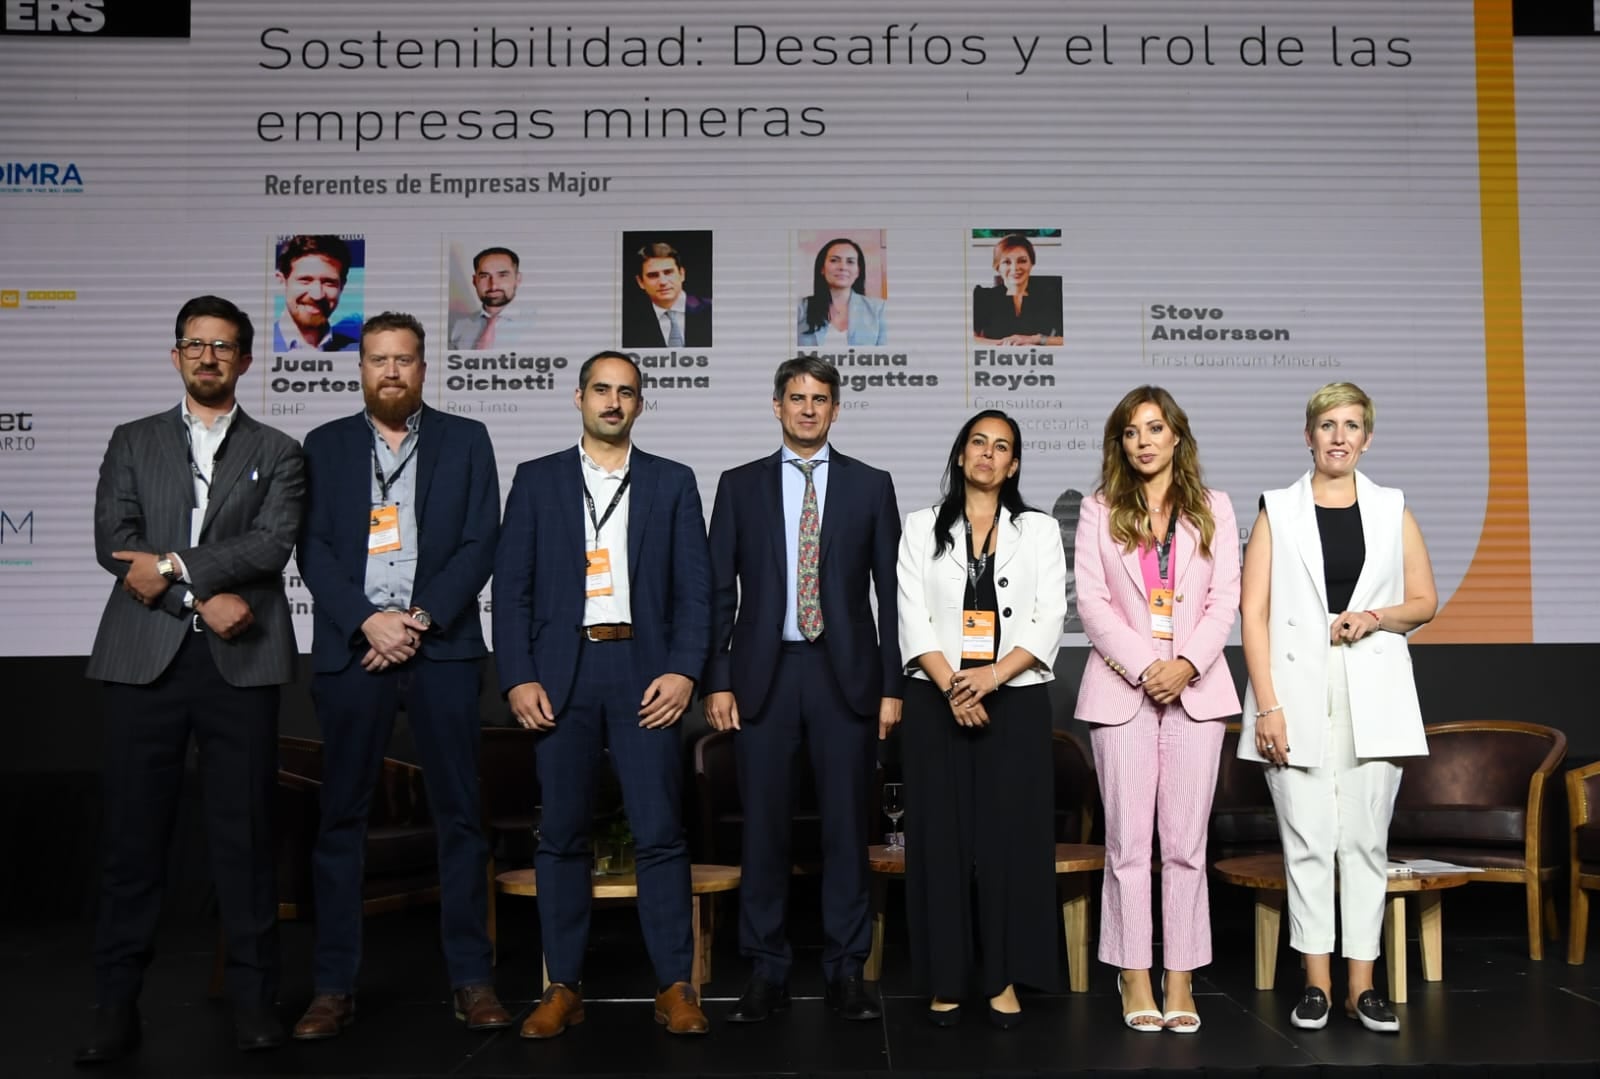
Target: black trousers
(980,848)
(147,739)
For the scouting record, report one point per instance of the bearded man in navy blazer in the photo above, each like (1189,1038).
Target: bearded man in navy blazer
(401,519)
(800,542)
(602,600)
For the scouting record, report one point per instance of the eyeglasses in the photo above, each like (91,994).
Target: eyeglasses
(193,348)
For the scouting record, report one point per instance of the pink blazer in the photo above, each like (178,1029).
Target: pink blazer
(1116,616)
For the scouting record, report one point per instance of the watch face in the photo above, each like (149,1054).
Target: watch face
(422,618)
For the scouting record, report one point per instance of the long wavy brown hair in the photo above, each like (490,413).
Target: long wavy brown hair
(1123,488)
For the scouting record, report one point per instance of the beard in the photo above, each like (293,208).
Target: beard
(209,394)
(392,409)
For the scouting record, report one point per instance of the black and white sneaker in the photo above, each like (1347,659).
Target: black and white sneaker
(1312,1011)
(1375,1013)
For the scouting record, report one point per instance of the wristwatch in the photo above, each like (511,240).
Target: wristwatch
(421,617)
(167,567)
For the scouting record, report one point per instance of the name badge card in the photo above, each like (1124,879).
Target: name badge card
(383,534)
(977,635)
(597,572)
(1161,614)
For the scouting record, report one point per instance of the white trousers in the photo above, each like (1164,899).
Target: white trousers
(1336,814)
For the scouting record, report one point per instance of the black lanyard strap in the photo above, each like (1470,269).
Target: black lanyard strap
(1164,548)
(977,566)
(385,482)
(194,466)
(616,499)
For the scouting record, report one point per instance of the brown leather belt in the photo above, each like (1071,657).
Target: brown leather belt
(607,631)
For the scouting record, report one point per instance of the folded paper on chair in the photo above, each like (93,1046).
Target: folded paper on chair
(1421,867)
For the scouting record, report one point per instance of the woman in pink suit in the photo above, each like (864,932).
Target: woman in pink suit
(1157,567)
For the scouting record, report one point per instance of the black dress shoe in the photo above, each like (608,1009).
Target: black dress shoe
(113,1035)
(257,1027)
(1374,1013)
(758,1001)
(944,1017)
(1312,1011)
(848,996)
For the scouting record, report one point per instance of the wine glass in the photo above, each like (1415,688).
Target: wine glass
(894,807)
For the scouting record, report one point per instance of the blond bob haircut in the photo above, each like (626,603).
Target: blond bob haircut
(1337,395)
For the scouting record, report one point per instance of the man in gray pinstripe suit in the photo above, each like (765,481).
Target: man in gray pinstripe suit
(196,513)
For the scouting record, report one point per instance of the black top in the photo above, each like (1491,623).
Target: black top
(982,597)
(1344,550)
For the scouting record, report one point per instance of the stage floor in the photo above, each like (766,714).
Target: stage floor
(1496,1013)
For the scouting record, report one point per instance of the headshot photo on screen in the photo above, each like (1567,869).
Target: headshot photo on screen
(846,287)
(488,307)
(666,292)
(1018,306)
(319,283)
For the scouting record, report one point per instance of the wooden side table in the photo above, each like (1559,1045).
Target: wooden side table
(705,881)
(1074,861)
(1265,873)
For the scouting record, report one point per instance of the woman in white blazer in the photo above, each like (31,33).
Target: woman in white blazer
(1335,575)
(982,595)
(839,311)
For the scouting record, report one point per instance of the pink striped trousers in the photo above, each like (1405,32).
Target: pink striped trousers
(1157,770)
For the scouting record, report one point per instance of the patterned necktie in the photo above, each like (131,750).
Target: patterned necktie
(808,597)
(486,335)
(675,337)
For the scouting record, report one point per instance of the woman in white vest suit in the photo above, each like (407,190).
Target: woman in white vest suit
(1335,575)
(1157,565)
(982,589)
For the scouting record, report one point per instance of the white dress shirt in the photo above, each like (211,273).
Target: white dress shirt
(613,536)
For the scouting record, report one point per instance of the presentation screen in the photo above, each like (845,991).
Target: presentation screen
(1036,206)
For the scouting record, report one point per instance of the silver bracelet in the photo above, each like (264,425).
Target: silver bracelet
(1269,711)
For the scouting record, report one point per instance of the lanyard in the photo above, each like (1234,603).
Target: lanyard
(588,499)
(976,567)
(1164,548)
(385,482)
(194,466)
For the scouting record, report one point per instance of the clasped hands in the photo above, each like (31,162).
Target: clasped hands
(1165,679)
(393,638)
(968,688)
(1351,626)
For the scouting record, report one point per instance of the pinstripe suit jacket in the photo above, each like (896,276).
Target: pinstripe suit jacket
(143,502)
(1116,616)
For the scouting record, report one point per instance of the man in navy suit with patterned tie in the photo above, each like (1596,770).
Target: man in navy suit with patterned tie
(602,601)
(800,542)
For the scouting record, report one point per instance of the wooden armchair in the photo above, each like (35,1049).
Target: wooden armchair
(1583,803)
(1483,798)
(508,778)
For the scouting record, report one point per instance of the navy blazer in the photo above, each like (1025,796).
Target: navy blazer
(860,539)
(641,325)
(539,573)
(458,522)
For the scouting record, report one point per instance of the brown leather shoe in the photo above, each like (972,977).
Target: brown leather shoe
(559,1008)
(480,1008)
(678,1009)
(326,1016)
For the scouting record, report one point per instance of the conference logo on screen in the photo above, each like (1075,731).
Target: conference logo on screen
(95,18)
(16,535)
(40,178)
(16,432)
